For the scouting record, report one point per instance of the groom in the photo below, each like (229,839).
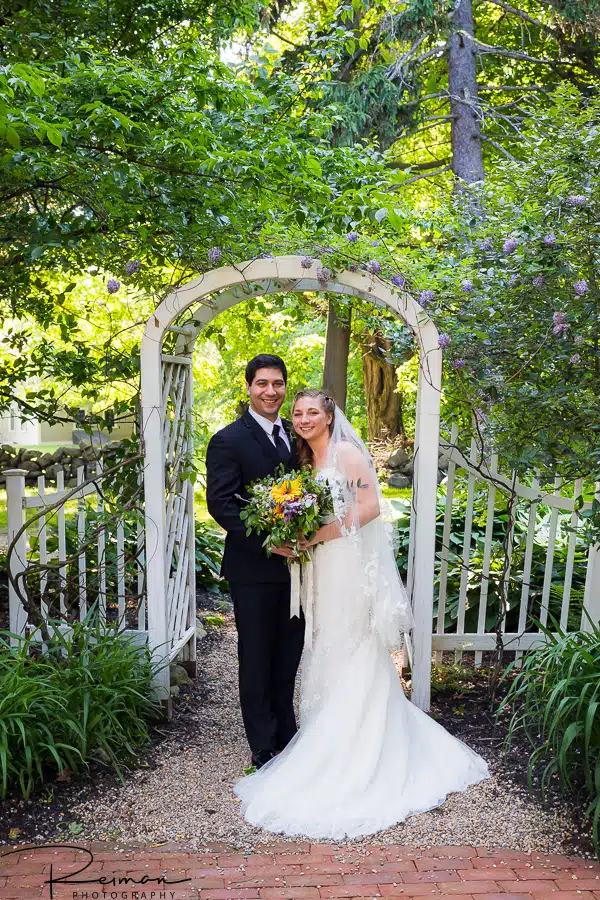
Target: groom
(269,642)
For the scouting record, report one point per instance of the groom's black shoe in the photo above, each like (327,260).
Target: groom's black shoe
(260,758)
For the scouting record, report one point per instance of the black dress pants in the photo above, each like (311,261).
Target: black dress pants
(269,651)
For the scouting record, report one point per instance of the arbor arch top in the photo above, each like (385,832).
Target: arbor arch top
(166,400)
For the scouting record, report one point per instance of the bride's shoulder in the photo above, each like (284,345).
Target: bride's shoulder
(349,454)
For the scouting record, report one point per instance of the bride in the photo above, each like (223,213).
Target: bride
(364,757)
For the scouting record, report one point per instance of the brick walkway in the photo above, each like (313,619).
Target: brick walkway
(298,871)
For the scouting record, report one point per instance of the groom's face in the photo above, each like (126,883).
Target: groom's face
(267,392)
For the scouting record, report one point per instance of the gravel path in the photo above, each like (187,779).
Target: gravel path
(185,794)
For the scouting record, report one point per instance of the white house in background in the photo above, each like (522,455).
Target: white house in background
(23,432)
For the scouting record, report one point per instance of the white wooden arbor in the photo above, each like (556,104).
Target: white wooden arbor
(167,397)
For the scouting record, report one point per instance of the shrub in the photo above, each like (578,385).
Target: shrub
(556,698)
(210,543)
(86,696)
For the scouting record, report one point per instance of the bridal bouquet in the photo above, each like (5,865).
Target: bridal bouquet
(288,506)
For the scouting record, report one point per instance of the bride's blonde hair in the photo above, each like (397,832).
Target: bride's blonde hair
(305,454)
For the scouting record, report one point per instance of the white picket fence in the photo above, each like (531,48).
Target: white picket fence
(472,490)
(477,477)
(88,499)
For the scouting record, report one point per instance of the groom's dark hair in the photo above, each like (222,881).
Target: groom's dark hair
(265,361)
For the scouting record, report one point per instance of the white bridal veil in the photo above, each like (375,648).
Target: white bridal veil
(365,522)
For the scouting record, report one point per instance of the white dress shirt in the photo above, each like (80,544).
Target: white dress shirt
(267,426)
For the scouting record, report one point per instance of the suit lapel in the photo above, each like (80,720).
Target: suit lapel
(260,435)
(292,439)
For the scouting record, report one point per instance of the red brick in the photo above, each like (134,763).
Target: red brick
(373,878)
(228,860)
(329,868)
(240,874)
(528,886)
(446,875)
(554,859)
(564,895)
(294,893)
(430,864)
(315,880)
(198,883)
(499,874)
(504,896)
(407,865)
(499,853)
(231,894)
(415,890)
(473,887)
(350,890)
(289,859)
(538,873)
(397,852)
(21,893)
(463,852)
(482,862)
(323,850)
(578,884)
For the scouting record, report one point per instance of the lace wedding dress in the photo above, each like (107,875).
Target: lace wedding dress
(364,757)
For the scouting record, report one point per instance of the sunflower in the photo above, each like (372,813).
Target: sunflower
(287,490)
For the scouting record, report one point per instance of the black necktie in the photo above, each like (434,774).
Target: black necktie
(280,445)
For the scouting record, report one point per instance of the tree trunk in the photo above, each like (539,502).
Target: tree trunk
(467,156)
(384,404)
(337,349)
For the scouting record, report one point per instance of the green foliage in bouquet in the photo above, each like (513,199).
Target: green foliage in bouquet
(287,507)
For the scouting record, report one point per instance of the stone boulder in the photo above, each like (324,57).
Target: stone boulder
(398,460)
(179,675)
(397,480)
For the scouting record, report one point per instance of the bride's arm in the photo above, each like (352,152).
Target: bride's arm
(362,479)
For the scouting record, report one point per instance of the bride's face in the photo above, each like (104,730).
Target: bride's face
(310,419)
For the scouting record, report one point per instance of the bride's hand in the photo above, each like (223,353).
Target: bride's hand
(285,550)
(325,533)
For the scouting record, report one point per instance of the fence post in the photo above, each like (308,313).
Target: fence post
(17,561)
(591,596)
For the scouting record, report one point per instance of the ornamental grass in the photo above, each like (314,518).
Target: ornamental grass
(555,698)
(85,696)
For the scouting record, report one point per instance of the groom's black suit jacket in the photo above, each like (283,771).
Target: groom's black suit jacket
(237,455)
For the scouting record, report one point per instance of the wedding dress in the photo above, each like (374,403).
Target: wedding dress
(364,757)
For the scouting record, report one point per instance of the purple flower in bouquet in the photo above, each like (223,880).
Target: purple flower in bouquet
(352,237)
(375,243)
(467,284)
(112,285)
(444,341)
(425,297)
(576,200)
(459,363)
(514,280)
(399,281)
(374,267)
(549,239)
(539,281)
(486,244)
(510,245)
(306,262)
(580,287)
(132,266)
(575,359)
(353,267)
(215,255)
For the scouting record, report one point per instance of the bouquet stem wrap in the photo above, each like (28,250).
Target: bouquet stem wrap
(302,595)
